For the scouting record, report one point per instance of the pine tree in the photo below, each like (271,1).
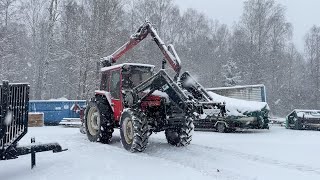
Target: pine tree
(230,73)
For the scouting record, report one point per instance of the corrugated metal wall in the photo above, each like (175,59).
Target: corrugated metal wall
(250,93)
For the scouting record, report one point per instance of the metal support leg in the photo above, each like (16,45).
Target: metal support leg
(33,154)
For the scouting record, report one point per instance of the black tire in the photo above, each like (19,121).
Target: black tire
(221,127)
(181,136)
(134,132)
(98,121)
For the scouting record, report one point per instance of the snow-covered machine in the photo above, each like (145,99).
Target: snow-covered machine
(303,119)
(246,108)
(140,102)
(14,100)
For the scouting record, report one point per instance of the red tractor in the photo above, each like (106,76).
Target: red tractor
(139,101)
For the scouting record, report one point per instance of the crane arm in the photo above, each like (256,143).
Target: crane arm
(169,52)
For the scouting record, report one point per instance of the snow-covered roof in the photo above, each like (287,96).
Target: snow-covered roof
(307,113)
(235,87)
(306,110)
(41,113)
(129,64)
(57,100)
(236,107)
(26,83)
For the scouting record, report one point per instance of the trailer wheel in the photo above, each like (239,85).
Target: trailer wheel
(297,124)
(98,121)
(181,136)
(231,130)
(134,130)
(221,127)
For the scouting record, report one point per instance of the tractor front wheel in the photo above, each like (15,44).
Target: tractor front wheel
(133,130)
(181,136)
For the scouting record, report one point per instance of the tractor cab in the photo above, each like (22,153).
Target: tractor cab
(122,77)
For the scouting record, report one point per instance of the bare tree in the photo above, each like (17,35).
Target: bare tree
(280,34)
(46,49)
(256,21)
(312,48)
(6,6)
(33,14)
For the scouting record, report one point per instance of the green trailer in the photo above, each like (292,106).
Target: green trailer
(300,119)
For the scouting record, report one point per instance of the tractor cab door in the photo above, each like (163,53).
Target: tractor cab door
(115,91)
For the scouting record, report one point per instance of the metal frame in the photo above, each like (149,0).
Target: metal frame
(15,99)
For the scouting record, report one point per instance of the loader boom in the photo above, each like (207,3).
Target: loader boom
(169,52)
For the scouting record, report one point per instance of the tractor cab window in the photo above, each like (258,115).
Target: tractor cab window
(115,84)
(104,81)
(134,76)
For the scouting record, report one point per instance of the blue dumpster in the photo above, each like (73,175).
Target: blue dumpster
(55,110)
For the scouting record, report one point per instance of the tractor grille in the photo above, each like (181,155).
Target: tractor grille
(14,100)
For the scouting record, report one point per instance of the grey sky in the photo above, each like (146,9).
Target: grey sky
(303,14)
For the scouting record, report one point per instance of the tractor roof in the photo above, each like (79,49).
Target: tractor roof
(127,64)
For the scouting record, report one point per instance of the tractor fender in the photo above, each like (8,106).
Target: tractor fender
(226,124)
(107,95)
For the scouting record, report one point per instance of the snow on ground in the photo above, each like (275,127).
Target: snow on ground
(277,153)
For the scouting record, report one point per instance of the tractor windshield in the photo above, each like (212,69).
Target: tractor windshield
(134,75)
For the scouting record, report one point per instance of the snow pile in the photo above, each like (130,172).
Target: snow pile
(161,94)
(59,99)
(237,107)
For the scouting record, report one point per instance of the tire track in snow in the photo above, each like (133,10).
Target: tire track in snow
(198,159)
(197,153)
(176,156)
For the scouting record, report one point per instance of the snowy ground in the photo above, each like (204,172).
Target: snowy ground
(268,154)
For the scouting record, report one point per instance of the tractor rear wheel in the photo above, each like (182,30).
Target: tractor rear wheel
(98,121)
(181,136)
(134,130)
